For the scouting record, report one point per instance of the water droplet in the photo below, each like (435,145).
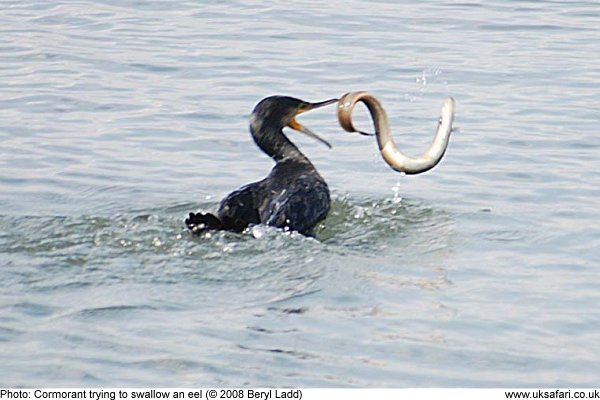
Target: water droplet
(396,189)
(258,231)
(360,212)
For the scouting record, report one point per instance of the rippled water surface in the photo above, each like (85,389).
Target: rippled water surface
(117,118)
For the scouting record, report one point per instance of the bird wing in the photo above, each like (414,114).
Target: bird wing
(240,208)
(300,207)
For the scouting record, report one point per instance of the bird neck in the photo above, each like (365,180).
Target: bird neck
(274,143)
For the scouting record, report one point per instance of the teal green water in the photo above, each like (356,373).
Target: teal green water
(117,118)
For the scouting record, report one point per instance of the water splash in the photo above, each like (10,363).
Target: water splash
(258,231)
(428,76)
(397,199)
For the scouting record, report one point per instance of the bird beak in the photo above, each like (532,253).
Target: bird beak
(306,107)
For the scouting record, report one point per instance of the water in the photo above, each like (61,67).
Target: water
(117,118)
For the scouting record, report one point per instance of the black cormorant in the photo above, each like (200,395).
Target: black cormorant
(293,196)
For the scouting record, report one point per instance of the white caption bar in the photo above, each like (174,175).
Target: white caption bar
(278,394)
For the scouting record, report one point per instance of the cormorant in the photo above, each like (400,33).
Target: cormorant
(293,196)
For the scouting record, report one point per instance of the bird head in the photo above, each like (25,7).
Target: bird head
(282,111)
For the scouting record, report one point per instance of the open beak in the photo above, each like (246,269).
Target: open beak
(306,107)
